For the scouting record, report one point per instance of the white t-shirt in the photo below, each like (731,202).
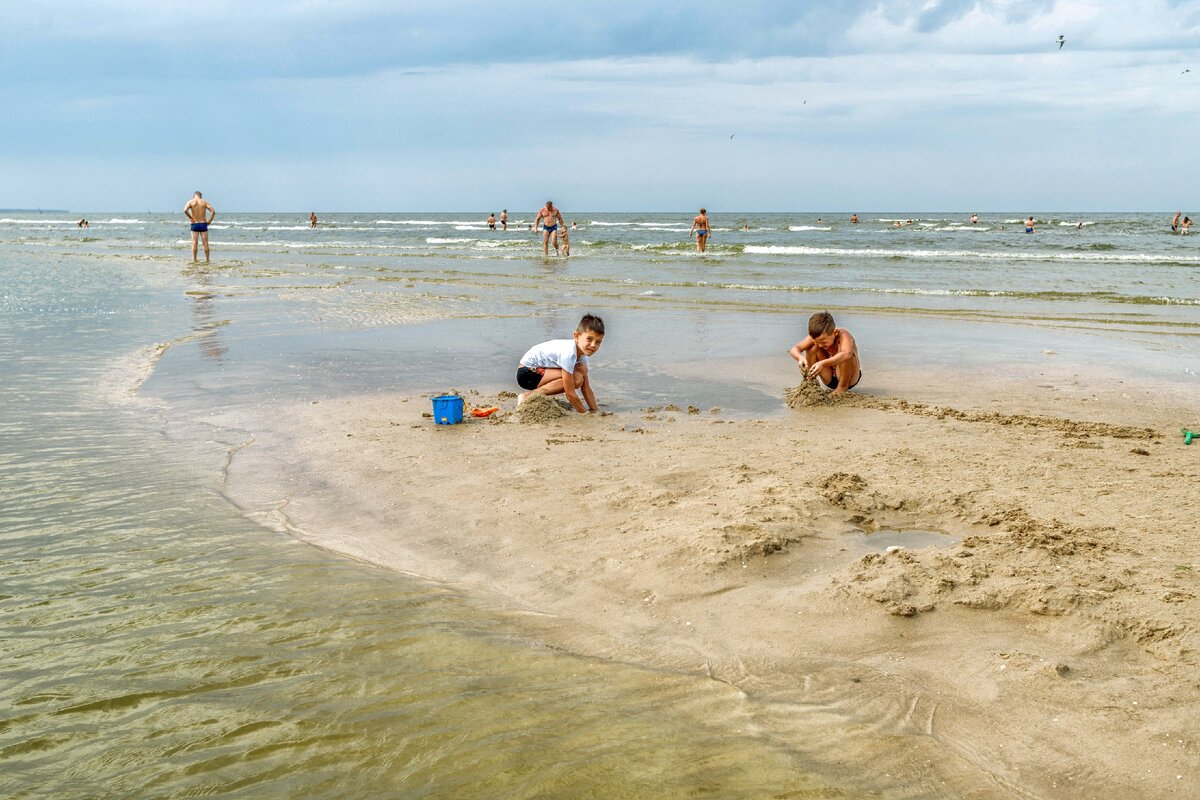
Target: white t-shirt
(558,353)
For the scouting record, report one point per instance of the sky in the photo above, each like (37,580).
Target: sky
(390,105)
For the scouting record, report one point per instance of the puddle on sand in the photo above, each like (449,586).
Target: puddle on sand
(881,540)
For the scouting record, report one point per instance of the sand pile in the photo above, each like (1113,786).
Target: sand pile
(537,408)
(809,393)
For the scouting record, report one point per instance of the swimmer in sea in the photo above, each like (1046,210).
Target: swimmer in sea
(200,213)
(700,230)
(974,219)
(552,219)
(854,218)
(1183,226)
(1029,224)
(312,219)
(1175,222)
(492,220)
(504,219)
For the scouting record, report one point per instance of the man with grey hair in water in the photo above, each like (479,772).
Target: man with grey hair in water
(549,218)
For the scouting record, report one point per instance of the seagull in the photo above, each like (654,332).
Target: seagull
(732,135)
(1186,71)
(1061,41)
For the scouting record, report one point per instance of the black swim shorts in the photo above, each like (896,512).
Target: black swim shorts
(529,378)
(833,382)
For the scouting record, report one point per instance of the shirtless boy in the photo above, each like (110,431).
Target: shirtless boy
(830,353)
(553,218)
(200,213)
(701,230)
(560,366)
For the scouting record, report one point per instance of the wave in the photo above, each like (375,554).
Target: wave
(38,221)
(433,240)
(233,245)
(808,228)
(117,221)
(433,222)
(944,255)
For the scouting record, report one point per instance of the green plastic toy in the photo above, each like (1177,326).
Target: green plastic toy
(1189,435)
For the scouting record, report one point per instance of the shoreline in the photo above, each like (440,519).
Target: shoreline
(1049,651)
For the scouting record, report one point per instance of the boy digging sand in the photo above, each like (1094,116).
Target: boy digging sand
(830,353)
(560,366)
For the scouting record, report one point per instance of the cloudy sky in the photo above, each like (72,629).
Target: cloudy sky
(791,106)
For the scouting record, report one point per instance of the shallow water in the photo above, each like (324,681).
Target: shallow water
(155,638)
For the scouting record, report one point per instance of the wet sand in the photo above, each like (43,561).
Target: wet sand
(1049,649)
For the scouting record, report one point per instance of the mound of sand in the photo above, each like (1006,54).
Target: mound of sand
(539,409)
(810,393)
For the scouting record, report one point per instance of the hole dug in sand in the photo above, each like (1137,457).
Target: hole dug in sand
(886,540)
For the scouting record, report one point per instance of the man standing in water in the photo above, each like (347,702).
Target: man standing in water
(200,213)
(312,219)
(701,230)
(504,219)
(553,218)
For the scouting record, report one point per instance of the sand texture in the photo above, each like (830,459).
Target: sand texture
(1048,649)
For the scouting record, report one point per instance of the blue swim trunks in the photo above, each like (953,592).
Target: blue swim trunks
(199,227)
(702,231)
(550,228)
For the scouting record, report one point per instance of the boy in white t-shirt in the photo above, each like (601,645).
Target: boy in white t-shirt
(560,366)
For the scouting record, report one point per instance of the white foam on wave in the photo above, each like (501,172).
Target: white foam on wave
(808,228)
(286,228)
(944,255)
(117,221)
(1075,224)
(611,224)
(234,245)
(427,222)
(435,240)
(38,221)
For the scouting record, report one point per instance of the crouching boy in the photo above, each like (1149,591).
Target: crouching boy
(560,366)
(829,353)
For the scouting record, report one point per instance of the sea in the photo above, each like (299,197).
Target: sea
(157,642)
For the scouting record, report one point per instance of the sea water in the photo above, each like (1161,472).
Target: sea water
(157,643)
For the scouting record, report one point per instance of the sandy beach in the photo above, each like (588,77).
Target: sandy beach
(1039,640)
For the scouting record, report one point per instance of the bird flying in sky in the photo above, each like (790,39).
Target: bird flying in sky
(1061,41)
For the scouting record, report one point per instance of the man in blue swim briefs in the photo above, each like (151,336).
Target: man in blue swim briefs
(200,213)
(701,230)
(549,218)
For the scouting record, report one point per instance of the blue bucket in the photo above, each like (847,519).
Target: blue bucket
(447,409)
